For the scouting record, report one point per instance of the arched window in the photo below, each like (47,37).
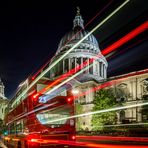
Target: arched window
(122,91)
(145,85)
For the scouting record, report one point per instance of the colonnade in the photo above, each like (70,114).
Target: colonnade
(98,68)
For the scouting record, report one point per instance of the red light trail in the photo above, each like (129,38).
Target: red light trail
(101,11)
(138,42)
(106,84)
(112,138)
(126,38)
(84,144)
(106,51)
(68,51)
(110,83)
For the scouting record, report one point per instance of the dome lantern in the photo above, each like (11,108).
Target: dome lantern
(78,21)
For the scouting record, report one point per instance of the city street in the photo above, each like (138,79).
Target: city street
(2,145)
(96,142)
(112,141)
(74,74)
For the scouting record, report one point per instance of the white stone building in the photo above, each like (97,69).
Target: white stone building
(132,90)
(86,50)
(3,101)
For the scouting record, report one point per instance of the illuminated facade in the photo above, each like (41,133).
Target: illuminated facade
(3,101)
(132,90)
(86,50)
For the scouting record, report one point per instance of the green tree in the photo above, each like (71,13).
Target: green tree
(79,110)
(104,99)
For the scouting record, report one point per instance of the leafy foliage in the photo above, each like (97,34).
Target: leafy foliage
(79,110)
(104,99)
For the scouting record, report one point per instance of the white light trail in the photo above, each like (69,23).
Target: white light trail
(70,78)
(58,60)
(101,111)
(130,124)
(33,111)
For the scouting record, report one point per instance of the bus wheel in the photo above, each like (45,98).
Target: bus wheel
(19,144)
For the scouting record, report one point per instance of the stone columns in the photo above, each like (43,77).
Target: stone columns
(88,66)
(93,67)
(81,62)
(102,70)
(75,64)
(99,68)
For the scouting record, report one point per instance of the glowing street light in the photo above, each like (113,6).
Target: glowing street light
(75,91)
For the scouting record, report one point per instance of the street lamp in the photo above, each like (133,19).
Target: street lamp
(75,91)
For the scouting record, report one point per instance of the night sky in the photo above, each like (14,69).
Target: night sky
(31,30)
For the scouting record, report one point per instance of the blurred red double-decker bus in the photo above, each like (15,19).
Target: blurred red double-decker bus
(32,122)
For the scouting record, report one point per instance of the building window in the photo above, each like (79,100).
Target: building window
(19,127)
(122,91)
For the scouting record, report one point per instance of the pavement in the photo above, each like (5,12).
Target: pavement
(2,145)
(114,142)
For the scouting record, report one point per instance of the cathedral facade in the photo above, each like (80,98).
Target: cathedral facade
(132,90)
(86,50)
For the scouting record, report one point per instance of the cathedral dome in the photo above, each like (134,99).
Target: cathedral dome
(87,50)
(72,38)
(75,35)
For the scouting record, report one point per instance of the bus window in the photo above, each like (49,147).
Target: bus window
(12,128)
(45,117)
(18,128)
